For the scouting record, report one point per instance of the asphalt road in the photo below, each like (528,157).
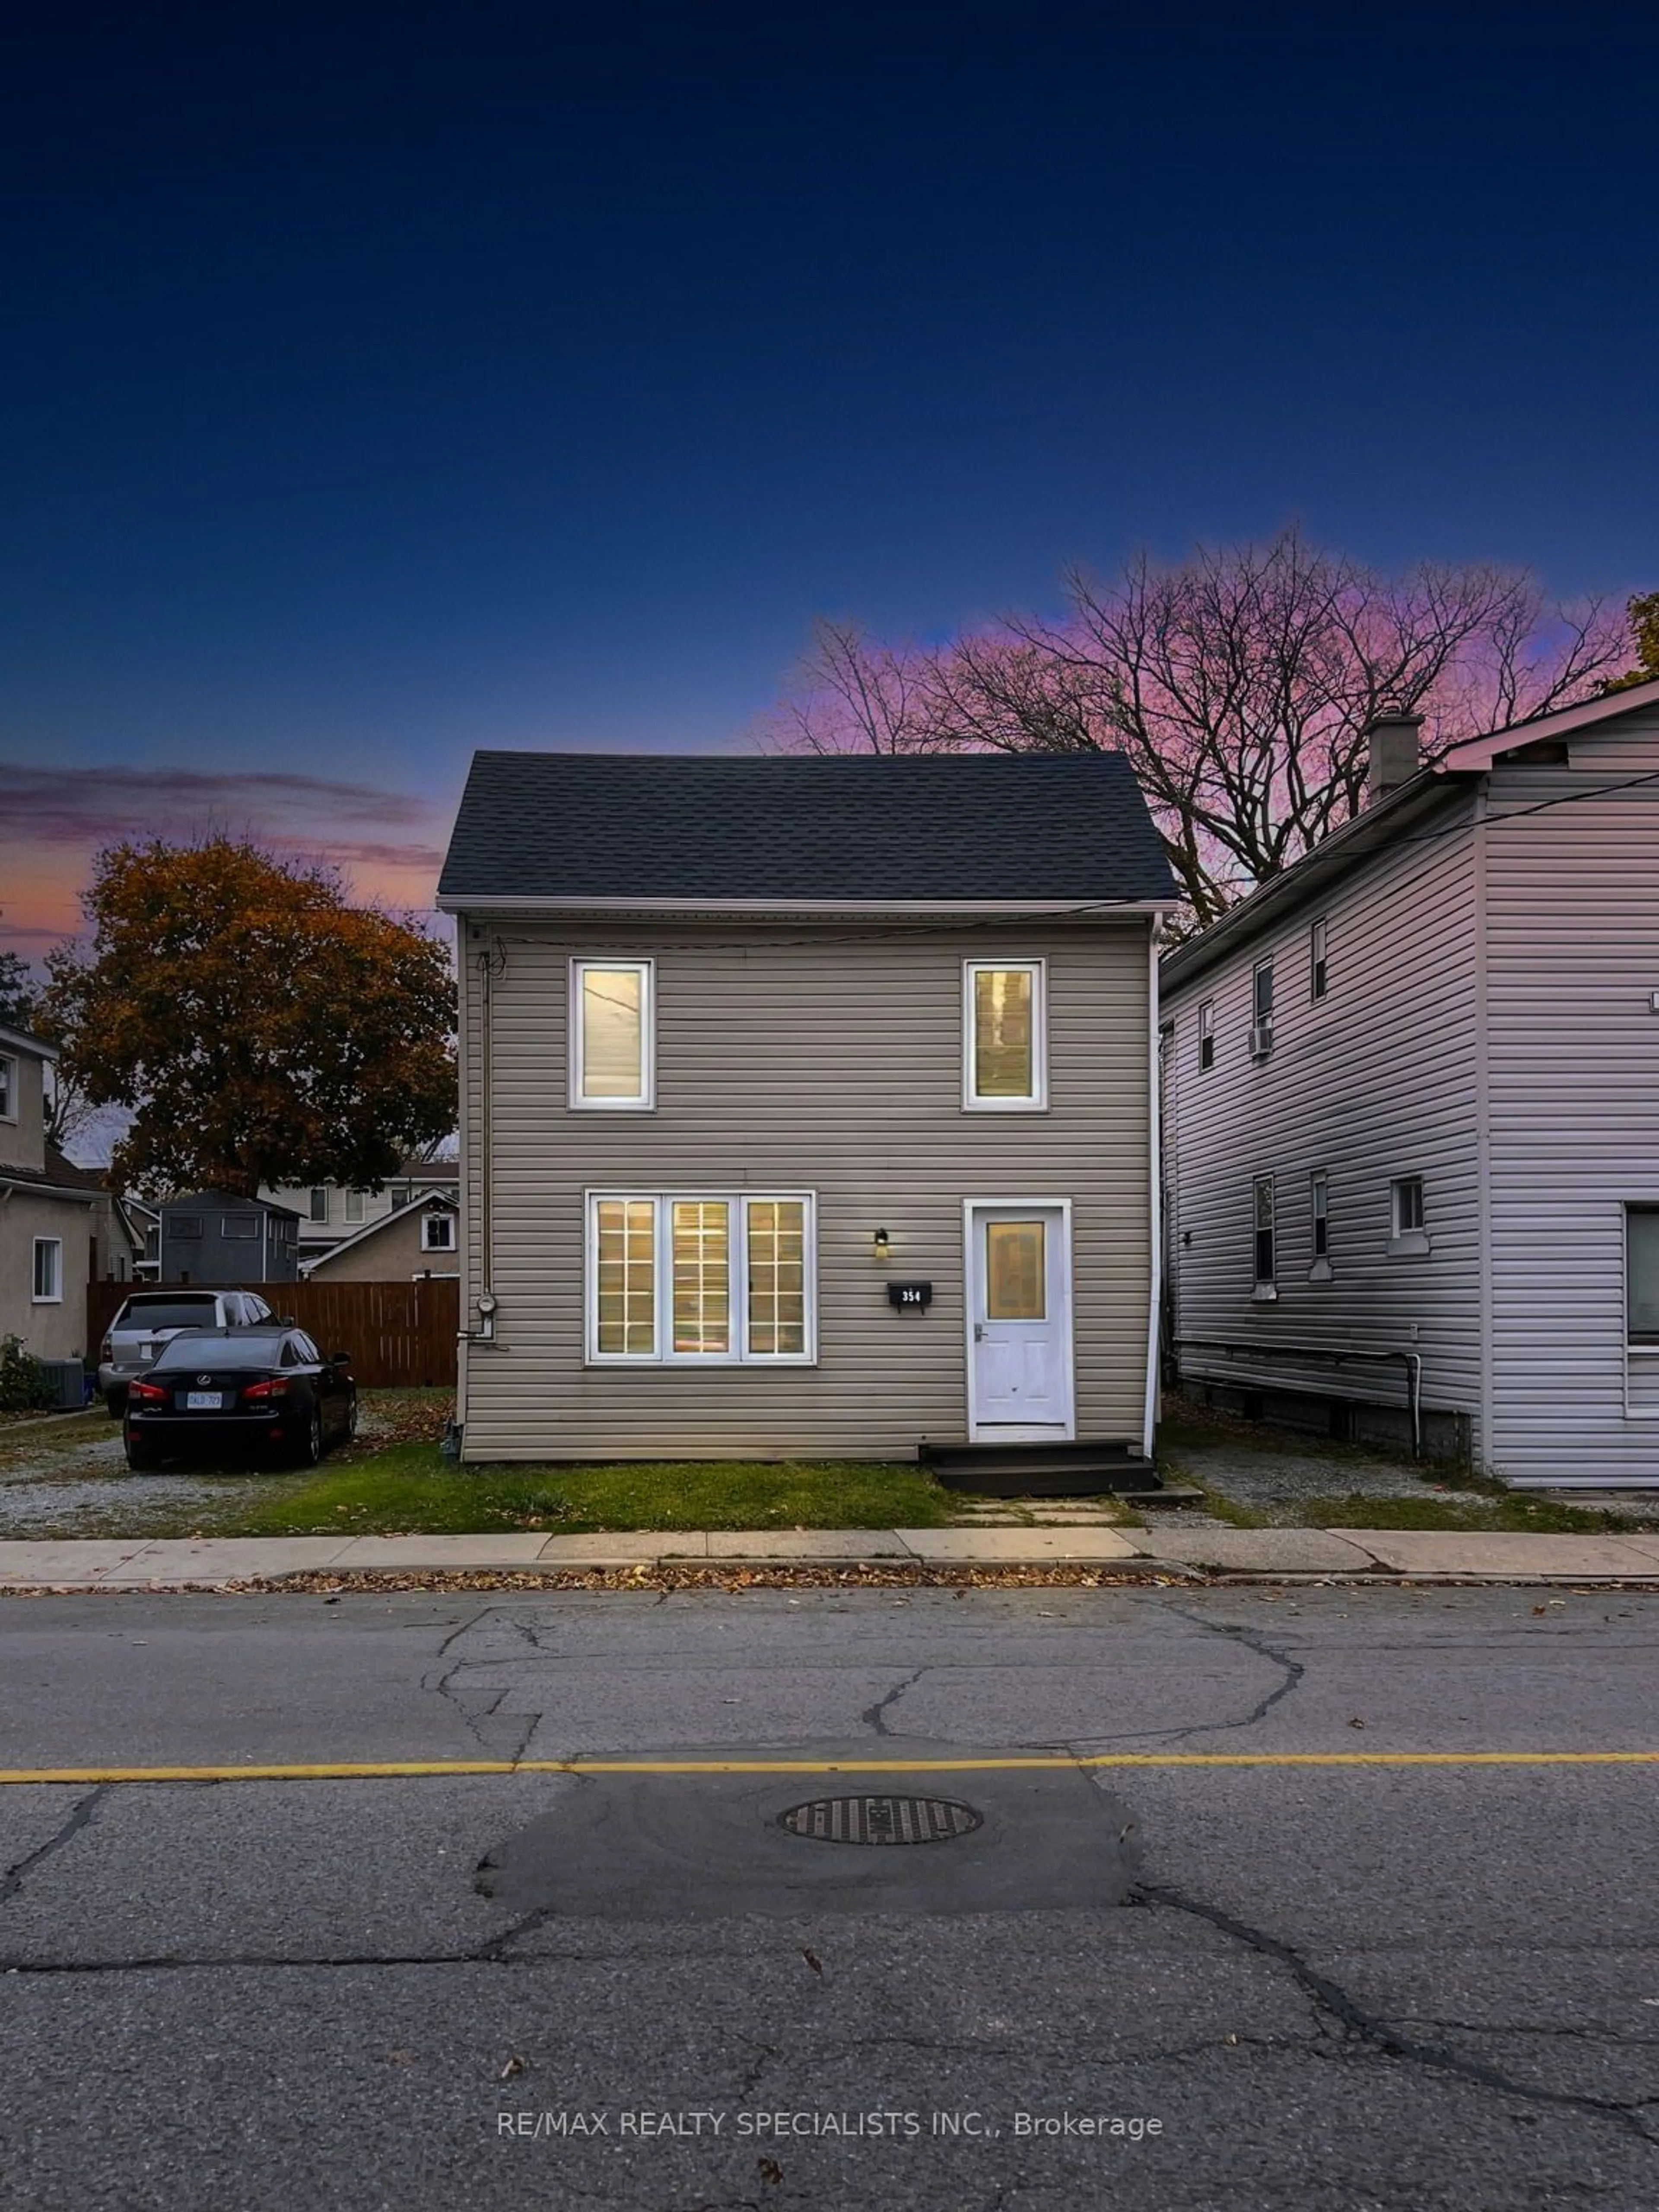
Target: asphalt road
(1157,1987)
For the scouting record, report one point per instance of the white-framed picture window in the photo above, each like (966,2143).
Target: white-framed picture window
(612,1035)
(438,1232)
(48,1289)
(8,1087)
(1004,1020)
(704,1278)
(1642,1274)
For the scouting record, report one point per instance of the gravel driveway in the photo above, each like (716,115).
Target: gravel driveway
(68,1479)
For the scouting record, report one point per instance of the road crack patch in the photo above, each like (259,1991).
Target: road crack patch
(1336,2003)
(80,1814)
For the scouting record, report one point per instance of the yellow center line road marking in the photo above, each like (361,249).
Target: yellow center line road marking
(411,1769)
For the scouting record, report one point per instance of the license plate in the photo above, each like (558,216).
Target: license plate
(203,1401)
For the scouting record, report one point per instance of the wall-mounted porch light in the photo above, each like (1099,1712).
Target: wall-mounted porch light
(882,1244)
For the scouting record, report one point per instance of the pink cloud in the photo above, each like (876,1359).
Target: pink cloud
(53,820)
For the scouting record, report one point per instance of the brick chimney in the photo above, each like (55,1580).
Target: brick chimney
(1394,752)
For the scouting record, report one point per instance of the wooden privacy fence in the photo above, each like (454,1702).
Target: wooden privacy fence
(399,1334)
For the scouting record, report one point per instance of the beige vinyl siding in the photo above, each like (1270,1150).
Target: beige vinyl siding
(1375,1081)
(790,1060)
(1573,903)
(393,1254)
(23,1131)
(50,1332)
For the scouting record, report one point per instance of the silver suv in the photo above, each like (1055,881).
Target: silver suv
(150,1319)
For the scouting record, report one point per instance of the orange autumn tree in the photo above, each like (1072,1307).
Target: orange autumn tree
(256,1027)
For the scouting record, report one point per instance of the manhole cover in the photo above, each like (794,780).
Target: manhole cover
(880,1819)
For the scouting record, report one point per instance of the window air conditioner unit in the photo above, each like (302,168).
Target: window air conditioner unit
(1262,1040)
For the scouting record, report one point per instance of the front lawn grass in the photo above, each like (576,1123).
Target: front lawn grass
(412,1489)
(1507,1512)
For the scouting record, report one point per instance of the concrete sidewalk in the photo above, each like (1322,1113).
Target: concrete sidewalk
(1422,1555)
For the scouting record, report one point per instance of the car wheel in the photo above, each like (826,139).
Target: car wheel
(141,1459)
(115,1404)
(311,1445)
(349,1433)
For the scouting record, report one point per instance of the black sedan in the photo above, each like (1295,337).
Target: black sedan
(269,1394)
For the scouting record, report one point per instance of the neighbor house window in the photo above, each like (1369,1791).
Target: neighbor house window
(320,1202)
(1261,1009)
(1265,1256)
(1642,1273)
(1317,974)
(438,1233)
(185,1225)
(8,1088)
(1406,1205)
(1319,1193)
(355,1205)
(239,1225)
(1004,1044)
(1207,1033)
(713,1278)
(48,1271)
(611,1041)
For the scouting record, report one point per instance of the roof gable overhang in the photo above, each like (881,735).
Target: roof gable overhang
(1477,753)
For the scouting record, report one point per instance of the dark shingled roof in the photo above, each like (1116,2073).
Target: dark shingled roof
(575,826)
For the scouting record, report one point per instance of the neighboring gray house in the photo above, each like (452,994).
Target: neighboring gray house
(807,1105)
(215,1236)
(1412,1109)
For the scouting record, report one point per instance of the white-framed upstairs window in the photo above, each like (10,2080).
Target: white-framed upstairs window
(701,1279)
(8,1087)
(1206,1033)
(438,1232)
(356,1205)
(1318,961)
(612,1035)
(320,1201)
(48,1276)
(1005,1042)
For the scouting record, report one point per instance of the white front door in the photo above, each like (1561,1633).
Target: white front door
(1019,1317)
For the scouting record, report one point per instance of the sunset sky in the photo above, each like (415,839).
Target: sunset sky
(385,381)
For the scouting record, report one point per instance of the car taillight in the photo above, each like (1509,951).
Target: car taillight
(277,1388)
(148,1392)
(106,1350)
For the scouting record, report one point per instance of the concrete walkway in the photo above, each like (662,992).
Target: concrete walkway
(1424,1555)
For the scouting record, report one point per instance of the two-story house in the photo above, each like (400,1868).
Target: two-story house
(807,1105)
(1412,1110)
(48,1214)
